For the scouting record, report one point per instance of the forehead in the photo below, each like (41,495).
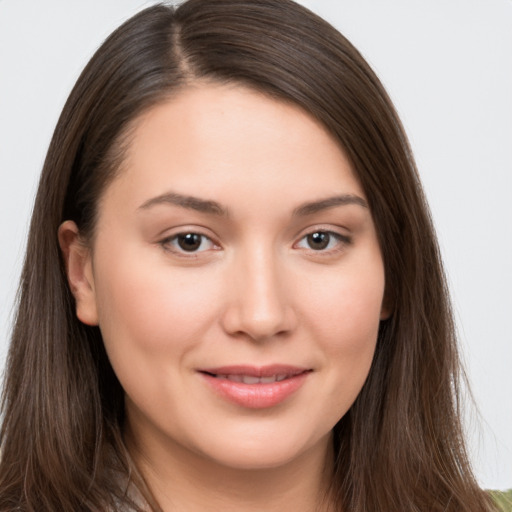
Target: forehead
(231,142)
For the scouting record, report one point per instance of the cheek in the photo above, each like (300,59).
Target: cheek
(151,308)
(344,316)
(148,316)
(345,306)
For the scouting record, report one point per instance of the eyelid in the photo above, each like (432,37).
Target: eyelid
(166,242)
(335,232)
(343,239)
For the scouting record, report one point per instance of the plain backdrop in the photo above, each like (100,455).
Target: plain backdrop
(447,65)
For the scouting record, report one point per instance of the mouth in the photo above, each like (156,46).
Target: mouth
(255,387)
(251,379)
(255,375)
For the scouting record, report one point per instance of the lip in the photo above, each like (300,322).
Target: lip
(260,395)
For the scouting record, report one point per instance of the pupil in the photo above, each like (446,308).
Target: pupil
(318,240)
(189,242)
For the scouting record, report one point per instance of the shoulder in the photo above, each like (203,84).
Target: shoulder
(503,499)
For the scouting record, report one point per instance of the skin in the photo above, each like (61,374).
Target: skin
(255,292)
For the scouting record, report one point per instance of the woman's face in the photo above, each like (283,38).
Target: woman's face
(237,279)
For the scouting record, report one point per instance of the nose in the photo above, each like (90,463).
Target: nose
(258,298)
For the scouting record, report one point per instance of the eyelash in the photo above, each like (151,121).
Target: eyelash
(341,241)
(171,243)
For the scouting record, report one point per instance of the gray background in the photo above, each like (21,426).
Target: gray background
(448,67)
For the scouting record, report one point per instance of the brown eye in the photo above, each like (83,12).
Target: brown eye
(323,241)
(319,240)
(189,242)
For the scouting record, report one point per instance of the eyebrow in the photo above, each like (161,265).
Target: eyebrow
(188,202)
(330,202)
(215,208)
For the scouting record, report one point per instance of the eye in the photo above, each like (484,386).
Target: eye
(323,241)
(188,242)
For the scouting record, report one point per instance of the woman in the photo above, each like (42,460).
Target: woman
(232,296)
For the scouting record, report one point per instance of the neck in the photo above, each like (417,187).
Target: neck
(185,481)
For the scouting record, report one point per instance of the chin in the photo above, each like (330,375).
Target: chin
(266,452)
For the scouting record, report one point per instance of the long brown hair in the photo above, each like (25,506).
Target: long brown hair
(400,447)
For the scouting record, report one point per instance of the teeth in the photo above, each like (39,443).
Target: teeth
(235,378)
(251,379)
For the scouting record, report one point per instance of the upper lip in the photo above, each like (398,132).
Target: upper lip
(256,371)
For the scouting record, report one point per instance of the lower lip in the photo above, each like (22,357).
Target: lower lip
(256,396)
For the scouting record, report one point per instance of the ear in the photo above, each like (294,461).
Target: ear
(385,312)
(387,308)
(78,262)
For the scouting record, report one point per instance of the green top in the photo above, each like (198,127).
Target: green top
(503,499)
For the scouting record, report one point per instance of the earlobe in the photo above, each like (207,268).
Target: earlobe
(385,313)
(386,309)
(77,259)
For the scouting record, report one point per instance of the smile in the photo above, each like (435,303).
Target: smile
(255,388)
(251,379)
